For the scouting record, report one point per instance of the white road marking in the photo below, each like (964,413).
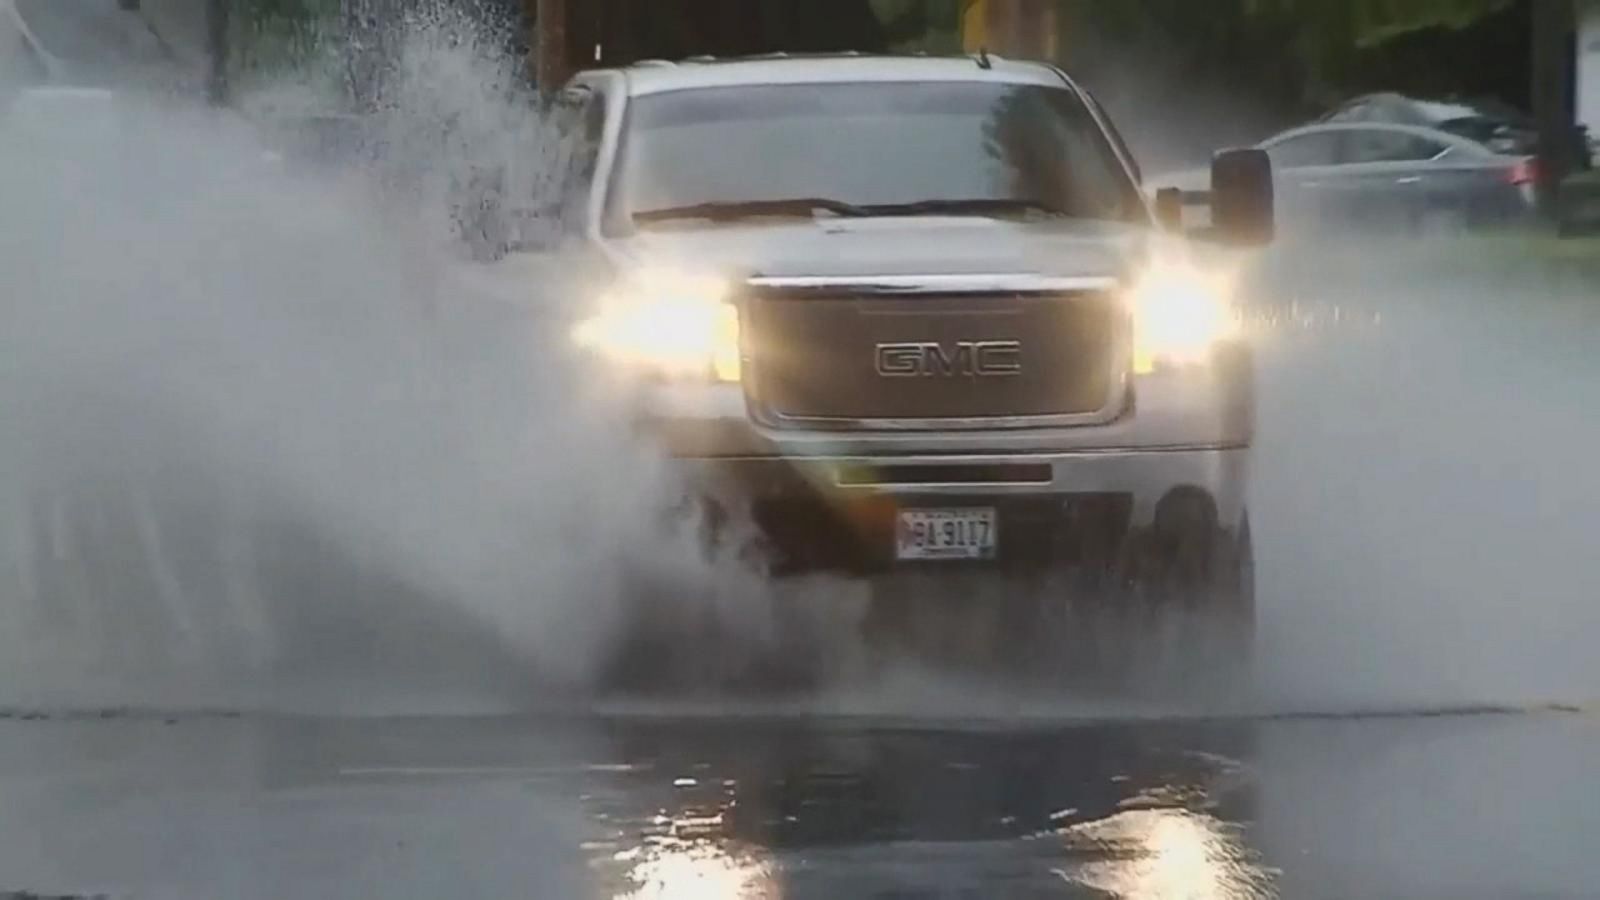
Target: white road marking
(451,771)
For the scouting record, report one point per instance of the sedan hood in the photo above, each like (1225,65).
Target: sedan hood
(930,245)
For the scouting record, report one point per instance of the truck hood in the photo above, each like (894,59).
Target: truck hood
(930,245)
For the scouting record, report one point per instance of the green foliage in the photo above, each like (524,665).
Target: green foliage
(1362,23)
(1303,53)
(930,25)
(1331,23)
(1343,42)
(1222,44)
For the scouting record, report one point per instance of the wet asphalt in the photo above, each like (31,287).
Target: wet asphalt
(1474,804)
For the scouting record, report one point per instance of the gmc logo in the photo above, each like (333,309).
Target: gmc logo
(965,359)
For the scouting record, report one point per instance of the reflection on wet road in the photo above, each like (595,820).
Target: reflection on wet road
(806,812)
(739,807)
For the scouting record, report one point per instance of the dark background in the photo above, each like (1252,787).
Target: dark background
(1289,58)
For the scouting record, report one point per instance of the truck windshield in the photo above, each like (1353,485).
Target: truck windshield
(875,149)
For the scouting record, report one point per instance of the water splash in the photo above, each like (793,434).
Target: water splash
(272,440)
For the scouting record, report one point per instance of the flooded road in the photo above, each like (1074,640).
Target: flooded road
(1486,805)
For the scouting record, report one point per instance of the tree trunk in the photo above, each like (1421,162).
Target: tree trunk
(1021,29)
(217,27)
(552,65)
(1554,23)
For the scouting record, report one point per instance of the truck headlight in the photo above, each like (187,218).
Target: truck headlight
(1179,315)
(670,324)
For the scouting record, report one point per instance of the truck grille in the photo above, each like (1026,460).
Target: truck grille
(933,360)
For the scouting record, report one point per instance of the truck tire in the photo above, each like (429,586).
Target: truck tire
(1192,600)
(1172,610)
(480,217)
(1235,587)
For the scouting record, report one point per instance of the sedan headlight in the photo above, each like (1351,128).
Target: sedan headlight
(1179,315)
(670,324)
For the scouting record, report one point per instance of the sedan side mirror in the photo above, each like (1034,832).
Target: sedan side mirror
(1242,197)
(1169,208)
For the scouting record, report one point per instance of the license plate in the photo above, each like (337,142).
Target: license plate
(947,534)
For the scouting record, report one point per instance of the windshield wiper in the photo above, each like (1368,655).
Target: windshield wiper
(752,209)
(988,206)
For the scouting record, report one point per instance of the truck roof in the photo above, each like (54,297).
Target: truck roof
(654,77)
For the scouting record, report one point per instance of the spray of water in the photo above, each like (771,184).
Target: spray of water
(271,440)
(1425,494)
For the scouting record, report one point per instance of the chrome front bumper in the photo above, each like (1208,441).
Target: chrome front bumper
(1074,509)
(1144,477)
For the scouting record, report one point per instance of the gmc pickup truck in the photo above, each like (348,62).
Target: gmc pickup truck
(917,313)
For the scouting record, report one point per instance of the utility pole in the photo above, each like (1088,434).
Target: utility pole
(551,66)
(217,26)
(1554,26)
(1023,29)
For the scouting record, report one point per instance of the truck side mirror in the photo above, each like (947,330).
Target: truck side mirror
(1242,198)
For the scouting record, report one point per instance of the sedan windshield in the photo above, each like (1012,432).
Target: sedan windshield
(868,149)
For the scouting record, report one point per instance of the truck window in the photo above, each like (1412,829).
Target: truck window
(871,144)
(1117,139)
(20,68)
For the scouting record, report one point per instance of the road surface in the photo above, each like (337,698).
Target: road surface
(1457,805)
